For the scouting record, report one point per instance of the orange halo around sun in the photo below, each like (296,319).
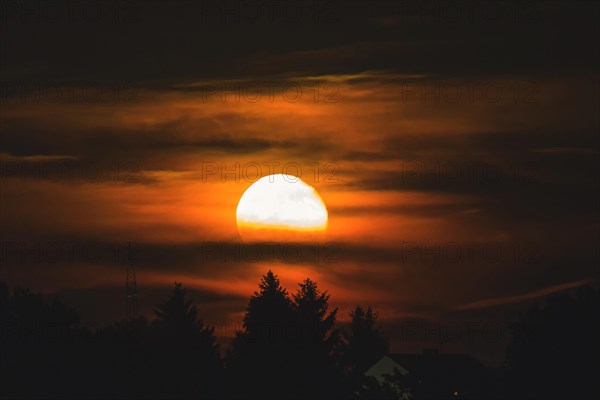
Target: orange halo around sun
(281,208)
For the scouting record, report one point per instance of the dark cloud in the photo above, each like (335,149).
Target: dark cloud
(542,37)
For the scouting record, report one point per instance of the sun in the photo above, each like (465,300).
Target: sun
(281,207)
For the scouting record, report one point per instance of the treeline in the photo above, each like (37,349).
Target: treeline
(289,348)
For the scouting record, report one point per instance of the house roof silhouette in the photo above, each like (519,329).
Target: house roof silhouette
(438,375)
(431,363)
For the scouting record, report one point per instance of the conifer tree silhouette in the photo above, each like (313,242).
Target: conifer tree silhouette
(315,366)
(187,359)
(364,343)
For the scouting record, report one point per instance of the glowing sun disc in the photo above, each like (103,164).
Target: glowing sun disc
(281,203)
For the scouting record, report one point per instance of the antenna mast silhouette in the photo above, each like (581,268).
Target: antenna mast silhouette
(131,286)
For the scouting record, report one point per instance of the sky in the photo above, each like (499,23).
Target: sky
(455,148)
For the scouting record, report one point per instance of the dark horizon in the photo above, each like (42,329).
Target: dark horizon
(359,360)
(485,339)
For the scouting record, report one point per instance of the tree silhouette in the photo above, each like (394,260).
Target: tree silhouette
(187,356)
(36,336)
(177,318)
(315,366)
(554,349)
(269,314)
(30,310)
(264,347)
(364,344)
(175,356)
(311,306)
(288,339)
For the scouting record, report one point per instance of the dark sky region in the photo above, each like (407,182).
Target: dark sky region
(455,146)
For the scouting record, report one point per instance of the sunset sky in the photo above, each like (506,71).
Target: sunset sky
(424,134)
